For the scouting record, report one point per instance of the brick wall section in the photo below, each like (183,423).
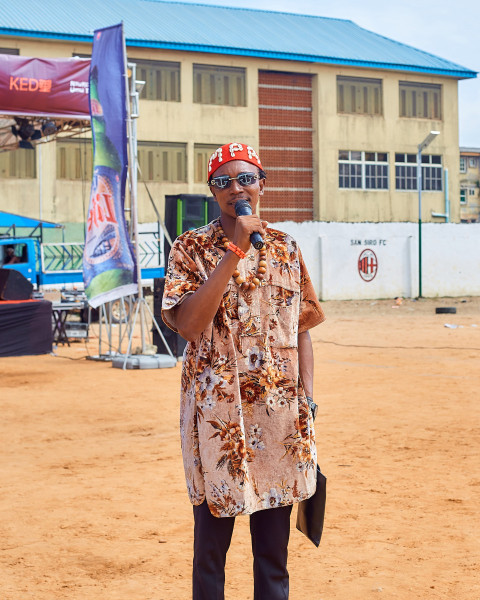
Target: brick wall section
(289,191)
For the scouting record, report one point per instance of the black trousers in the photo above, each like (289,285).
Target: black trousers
(270,532)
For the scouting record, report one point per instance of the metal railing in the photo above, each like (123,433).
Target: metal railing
(68,256)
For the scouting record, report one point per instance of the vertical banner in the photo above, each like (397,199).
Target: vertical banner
(108,260)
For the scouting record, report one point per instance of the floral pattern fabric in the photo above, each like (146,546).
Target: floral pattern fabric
(247,435)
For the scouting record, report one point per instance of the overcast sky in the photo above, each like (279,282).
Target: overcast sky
(447,28)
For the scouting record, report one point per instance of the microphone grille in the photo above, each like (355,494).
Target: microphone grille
(242,207)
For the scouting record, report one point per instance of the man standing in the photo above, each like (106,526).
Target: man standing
(247,434)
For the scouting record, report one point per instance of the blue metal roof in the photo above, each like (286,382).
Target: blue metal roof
(222,30)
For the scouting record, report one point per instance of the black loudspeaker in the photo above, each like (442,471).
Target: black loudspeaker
(14,285)
(175,341)
(188,211)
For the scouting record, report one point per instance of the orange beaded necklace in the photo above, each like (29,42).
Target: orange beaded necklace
(256,278)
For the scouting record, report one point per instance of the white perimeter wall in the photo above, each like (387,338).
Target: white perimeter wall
(450,264)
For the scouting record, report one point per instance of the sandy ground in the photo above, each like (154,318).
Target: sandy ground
(92,497)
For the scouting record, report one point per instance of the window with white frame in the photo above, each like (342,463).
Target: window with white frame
(463,164)
(406,172)
(359,95)
(362,170)
(463,196)
(471,191)
(472,162)
(420,100)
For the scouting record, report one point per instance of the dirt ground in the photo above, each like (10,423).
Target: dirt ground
(93,504)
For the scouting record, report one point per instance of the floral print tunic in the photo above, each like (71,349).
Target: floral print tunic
(247,434)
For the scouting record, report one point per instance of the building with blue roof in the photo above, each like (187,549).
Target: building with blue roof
(336,111)
(469,185)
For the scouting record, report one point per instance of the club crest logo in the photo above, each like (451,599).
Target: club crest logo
(367,265)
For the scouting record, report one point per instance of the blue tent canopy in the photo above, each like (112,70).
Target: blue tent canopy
(13,220)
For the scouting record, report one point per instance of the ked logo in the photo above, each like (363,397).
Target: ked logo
(30,84)
(367,265)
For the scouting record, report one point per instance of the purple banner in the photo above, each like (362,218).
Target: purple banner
(108,259)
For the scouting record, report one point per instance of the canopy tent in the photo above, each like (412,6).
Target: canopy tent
(41,98)
(10,222)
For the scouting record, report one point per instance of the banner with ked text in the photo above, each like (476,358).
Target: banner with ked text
(44,87)
(108,260)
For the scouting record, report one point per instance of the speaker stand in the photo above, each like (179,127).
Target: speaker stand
(143,360)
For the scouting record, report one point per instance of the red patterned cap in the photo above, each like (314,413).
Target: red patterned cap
(233,151)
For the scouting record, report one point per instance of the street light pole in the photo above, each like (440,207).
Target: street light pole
(430,137)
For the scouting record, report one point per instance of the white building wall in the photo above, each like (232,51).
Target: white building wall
(450,258)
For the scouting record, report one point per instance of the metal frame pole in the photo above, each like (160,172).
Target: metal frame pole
(132,170)
(419,184)
(447,197)
(426,142)
(40,182)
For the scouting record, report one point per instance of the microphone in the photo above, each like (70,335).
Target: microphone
(242,208)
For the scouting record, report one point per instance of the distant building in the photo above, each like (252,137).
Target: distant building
(470,185)
(335,111)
